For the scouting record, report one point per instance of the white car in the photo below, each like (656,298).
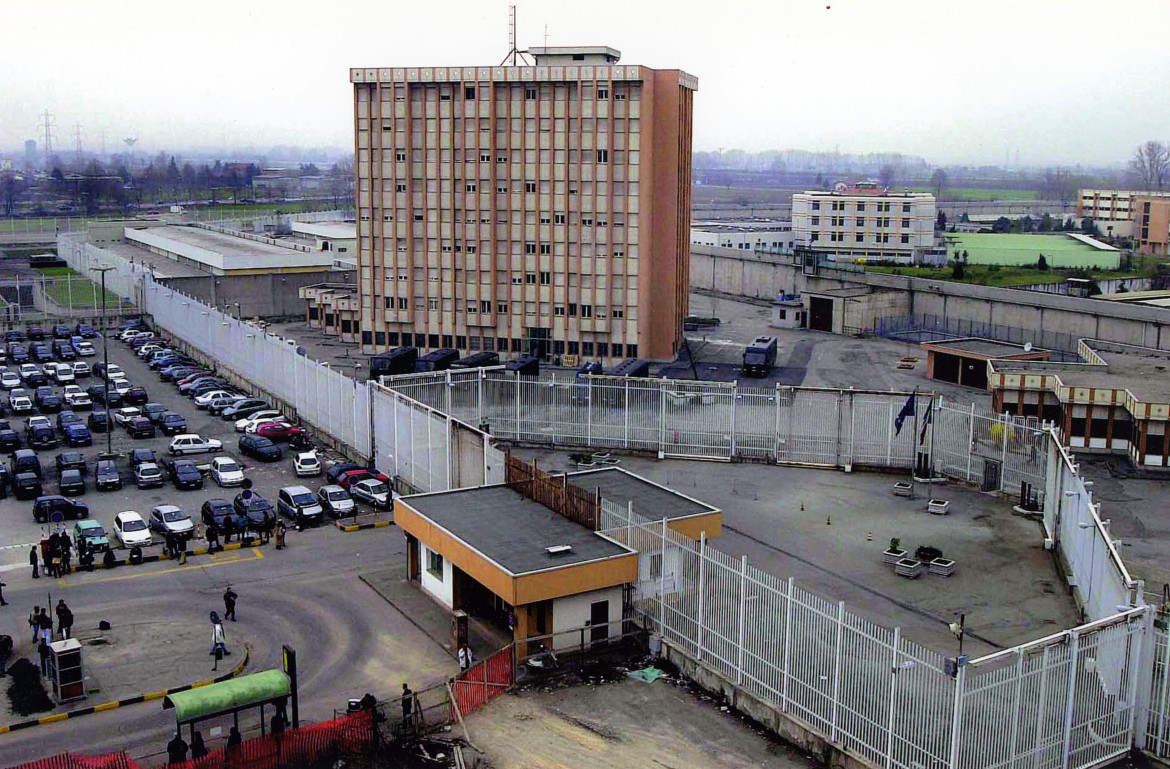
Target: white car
(190,443)
(170,519)
(19,402)
(306,463)
(206,398)
(28,369)
(335,500)
(80,369)
(113,371)
(39,421)
(85,349)
(131,531)
(226,471)
(61,372)
(252,428)
(76,398)
(148,349)
(119,386)
(130,333)
(267,415)
(372,492)
(125,414)
(9,379)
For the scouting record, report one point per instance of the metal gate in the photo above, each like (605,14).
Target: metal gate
(992,475)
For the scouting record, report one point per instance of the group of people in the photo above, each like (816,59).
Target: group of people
(237,525)
(57,551)
(178,748)
(175,544)
(41,625)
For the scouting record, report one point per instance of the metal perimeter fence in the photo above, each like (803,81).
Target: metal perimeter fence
(1074,699)
(927,328)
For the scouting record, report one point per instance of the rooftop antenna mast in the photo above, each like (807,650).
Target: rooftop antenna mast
(513,51)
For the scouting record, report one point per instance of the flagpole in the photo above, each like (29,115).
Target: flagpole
(933,420)
(914,442)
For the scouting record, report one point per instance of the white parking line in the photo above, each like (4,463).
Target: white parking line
(14,547)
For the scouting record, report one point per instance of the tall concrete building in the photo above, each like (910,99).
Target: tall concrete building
(525,209)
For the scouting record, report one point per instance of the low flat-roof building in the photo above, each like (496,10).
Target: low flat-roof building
(336,237)
(746,235)
(228,253)
(333,308)
(964,361)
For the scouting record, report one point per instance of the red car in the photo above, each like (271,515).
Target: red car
(278,431)
(354,476)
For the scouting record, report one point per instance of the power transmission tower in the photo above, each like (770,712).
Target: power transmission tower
(77,141)
(49,127)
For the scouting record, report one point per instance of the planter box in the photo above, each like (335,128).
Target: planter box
(937,506)
(903,489)
(892,556)
(944,567)
(908,568)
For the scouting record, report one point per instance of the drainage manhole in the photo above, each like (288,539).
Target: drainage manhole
(97,642)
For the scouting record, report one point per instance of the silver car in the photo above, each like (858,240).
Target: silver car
(335,500)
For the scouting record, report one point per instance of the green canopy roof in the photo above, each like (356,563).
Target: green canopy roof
(228,696)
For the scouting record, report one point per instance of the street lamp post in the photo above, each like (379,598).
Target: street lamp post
(106,359)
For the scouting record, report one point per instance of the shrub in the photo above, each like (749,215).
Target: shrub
(895,543)
(927,553)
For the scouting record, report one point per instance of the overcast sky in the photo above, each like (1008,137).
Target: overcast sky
(955,81)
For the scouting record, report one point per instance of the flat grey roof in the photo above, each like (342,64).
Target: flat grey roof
(987,347)
(511,529)
(650,499)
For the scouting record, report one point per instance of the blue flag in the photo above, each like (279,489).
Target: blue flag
(907,411)
(926,424)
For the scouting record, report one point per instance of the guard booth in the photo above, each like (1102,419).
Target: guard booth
(268,689)
(65,670)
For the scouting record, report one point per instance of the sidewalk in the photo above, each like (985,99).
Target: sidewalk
(429,615)
(132,659)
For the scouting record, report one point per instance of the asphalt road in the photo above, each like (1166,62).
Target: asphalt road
(348,640)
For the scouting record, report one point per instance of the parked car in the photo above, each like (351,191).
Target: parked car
(170,519)
(61,331)
(172,424)
(66,417)
(106,476)
(72,483)
(372,492)
(204,400)
(335,500)
(48,399)
(99,394)
(36,333)
(257,417)
(306,464)
(217,405)
(225,471)
(98,422)
(86,330)
(81,369)
(191,443)
(184,474)
(84,348)
(135,394)
(258,510)
(148,349)
(13,335)
(138,456)
(77,434)
(26,461)
(92,533)
(259,447)
(299,504)
(62,373)
(125,414)
(29,369)
(244,409)
(337,470)
(121,386)
(26,486)
(39,433)
(64,351)
(40,352)
(350,477)
(57,508)
(70,460)
(153,411)
(17,353)
(9,379)
(278,431)
(131,531)
(107,373)
(214,511)
(20,402)
(9,439)
(140,427)
(147,475)
(76,398)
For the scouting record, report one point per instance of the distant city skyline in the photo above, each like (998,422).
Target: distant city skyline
(977,82)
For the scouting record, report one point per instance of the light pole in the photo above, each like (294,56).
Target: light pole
(960,629)
(1092,565)
(106,362)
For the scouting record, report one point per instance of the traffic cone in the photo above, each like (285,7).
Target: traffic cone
(869,537)
(828,520)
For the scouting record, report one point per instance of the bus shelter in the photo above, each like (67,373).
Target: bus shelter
(268,688)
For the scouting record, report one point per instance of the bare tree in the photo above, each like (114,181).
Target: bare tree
(938,180)
(886,176)
(1151,165)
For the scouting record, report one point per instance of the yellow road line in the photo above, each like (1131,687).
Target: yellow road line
(53,718)
(257,555)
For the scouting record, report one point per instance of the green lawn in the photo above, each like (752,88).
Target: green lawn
(1013,249)
(980,194)
(70,289)
(996,275)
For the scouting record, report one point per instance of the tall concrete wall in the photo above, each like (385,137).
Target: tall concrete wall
(761,276)
(264,296)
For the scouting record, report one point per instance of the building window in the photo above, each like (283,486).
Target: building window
(546,248)
(530,278)
(559,311)
(860,237)
(860,208)
(485,305)
(587,349)
(861,221)
(816,206)
(434,564)
(432,304)
(586,311)
(905,222)
(485,157)
(366,337)
(502,188)
(545,278)
(530,248)
(816,220)
(400,156)
(618,312)
(905,208)
(572,310)
(603,156)
(502,308)
(558,218)
(469,92)
(389,303)
(616,350)
(632,351)
(602,93)
(905,238)
(814,237)
(573,348)
(314,313)
(530,94)
(619,97)
(471,186)
(530,186)
(403,303)
(400,187)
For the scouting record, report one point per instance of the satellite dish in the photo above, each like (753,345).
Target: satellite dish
(1027,347)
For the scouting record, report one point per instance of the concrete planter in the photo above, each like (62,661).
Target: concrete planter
(903,489)
(908,568)
(937,506)
(944,567)
(892,556)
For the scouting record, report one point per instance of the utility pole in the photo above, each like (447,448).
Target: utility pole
(106,358)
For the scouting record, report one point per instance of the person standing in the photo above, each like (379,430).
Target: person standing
(198,749)
(229,604)
(3,585)
(212,534)
(229,525)
(45,652)
(34,560)
(281,530)
(177,749)
(66,553)
(45,625)
(64,620)
(466,659)
(407,707)
(33,624)
(5,652)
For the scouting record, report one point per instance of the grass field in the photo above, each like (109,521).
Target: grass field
(71,289)
(980,194)
(994,274)
(1058,250)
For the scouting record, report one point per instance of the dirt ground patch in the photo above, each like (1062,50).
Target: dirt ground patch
(624,723)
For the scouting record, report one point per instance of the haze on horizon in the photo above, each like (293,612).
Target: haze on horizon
(965,81)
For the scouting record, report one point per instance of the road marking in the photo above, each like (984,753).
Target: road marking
(257,555)
(14,547)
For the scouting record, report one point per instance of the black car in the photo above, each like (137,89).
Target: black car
(335,473)
(172,423)
(136,395)
(17,353)
(184,474)
(99,422)
(259,447)
(40,436)
(72,483)
(261,516)
(65,418)
(153,411)
(70,460)
(12,335)
(36,378)
(243,409)
(61,332)
(171,361)
(47,399)
(175,373)
(106,475)
(9,440)
(214,511)
(56,508)
(40,352)
(86,330)
(36,333)
(138,456)
(64,350)
(140,427)
(26,486)
(97,393)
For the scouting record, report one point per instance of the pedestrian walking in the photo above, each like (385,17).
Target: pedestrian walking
(169,544)
(198,749)
(45,625)
(465,657)
(212,534)
(218,639)
(33,624)
(64,620)
(229,604)
(66,546)
(229,527)
(177,749)
(182,542)
(407,707)
(281,530)
(45,652)
(34,560)
(242,529)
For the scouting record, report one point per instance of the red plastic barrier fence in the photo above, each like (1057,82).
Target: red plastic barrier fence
(75,761)
(295,747)
(484,681)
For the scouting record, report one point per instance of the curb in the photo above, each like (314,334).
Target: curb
(101,707)
(350,527)
(162,557)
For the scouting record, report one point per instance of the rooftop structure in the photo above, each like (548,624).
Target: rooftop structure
(224,253)
(748,235)
(531,209)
